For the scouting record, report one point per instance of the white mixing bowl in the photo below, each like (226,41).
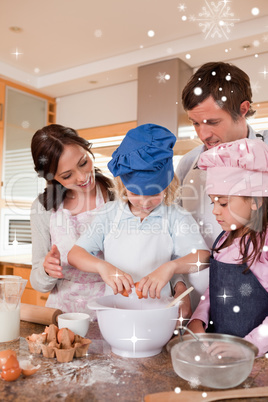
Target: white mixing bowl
(135,327)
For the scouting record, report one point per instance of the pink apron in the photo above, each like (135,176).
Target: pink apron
(72,293)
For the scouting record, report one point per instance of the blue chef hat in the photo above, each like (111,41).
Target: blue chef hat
(144,159)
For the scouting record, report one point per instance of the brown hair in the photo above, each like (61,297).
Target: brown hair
(171,192)
(47,146)
(218,79)
(255,232)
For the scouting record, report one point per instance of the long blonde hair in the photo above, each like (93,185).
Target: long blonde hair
(171,192)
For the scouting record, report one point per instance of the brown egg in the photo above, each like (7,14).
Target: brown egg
(124,293)
(28,368)
(60,335)
(5,354)
(138,292)
(11,369)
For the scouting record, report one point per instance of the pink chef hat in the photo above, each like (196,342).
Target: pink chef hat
(237,168)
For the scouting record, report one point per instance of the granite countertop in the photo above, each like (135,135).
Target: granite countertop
(102,375)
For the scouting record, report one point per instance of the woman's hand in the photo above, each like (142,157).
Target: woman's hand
(114,277)
(52,263)
(154,282)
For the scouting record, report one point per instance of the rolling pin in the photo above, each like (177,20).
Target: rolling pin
(39,314)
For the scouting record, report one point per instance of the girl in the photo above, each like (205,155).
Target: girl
(236,301)
(75,189)
(144,234)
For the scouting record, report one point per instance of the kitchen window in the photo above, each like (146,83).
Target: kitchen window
(25,113)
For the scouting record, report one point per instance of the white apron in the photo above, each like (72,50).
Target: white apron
(136,250)
(197,202)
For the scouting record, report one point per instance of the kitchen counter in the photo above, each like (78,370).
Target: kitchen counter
(102,375)
(17,259)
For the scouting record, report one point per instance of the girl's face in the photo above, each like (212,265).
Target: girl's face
(232,212)
(143,205)
(76,169)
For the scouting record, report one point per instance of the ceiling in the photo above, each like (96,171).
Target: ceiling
(66,46)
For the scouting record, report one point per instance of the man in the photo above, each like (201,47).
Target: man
(218,101)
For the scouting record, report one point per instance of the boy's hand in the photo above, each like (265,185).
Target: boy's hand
(117,279)
(154,282)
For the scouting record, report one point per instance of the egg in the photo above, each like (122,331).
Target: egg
(11,362)
(61,335)
(138,292)
(28,368)
(5,354)
(11,369)
(11,375)
(124,293)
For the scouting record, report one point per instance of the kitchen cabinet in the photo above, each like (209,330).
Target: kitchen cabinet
(29,296)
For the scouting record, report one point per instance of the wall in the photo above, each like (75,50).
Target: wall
(100,107)
(259,81)
(118,103)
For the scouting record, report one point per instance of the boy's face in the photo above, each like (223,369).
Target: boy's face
(143,205)
(214,125)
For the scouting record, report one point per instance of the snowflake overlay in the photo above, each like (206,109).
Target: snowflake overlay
(245,289)
(215,19)
(161,78)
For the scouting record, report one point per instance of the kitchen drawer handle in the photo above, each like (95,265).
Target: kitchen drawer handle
(43,298)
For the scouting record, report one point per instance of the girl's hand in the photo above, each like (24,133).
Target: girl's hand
(225,349)
(154,282)
(185,309)
(196,326)
(52,263)
(114,277)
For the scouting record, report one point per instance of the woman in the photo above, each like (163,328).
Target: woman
(75,191)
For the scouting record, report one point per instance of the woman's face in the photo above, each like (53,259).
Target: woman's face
(76,169)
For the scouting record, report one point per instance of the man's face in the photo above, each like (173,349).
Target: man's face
(214,125)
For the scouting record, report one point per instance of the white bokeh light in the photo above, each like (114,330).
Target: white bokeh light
(236,309)
(151,33)
(263,330)
(198,91)
(255,11)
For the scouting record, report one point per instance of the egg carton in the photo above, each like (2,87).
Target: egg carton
(62,344)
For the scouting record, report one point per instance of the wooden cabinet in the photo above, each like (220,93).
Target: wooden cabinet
(29,296)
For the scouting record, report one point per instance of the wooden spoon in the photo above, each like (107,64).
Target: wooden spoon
(181,296)
(198,396)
